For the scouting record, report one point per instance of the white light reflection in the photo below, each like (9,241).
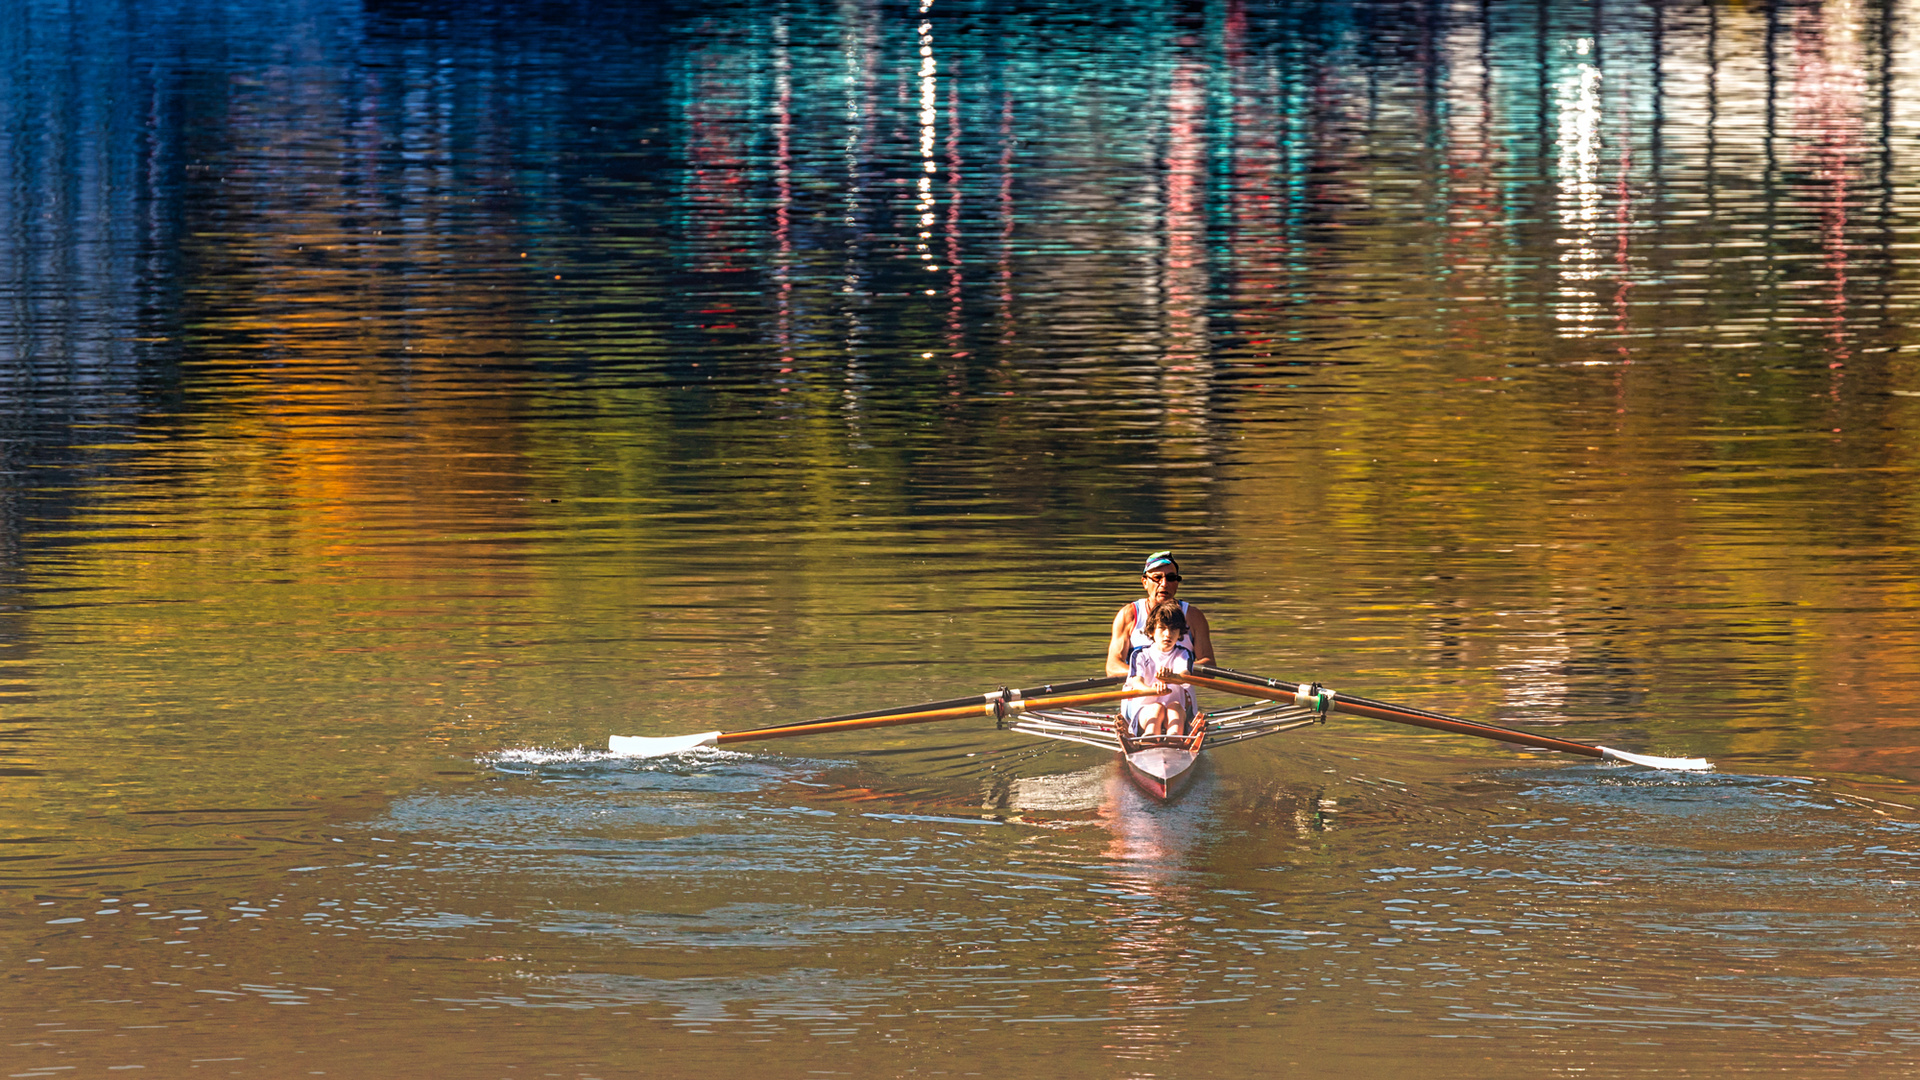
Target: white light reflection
(1580,190)
(857,50)
(859,44)
(1533,660)
(929,136)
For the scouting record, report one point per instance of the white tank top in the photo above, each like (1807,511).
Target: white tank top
(1140,640)
(1145,665)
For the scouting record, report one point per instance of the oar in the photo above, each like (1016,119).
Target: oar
(1315,696)
(997,703)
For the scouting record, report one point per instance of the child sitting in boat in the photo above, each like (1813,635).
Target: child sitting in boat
(1165,713)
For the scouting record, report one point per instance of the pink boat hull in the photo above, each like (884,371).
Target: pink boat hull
(1161,771)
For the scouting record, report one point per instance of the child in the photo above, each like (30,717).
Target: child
(1165,713)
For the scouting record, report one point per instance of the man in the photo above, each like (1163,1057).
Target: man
(1160,577)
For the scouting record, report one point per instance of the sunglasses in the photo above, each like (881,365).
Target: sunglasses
(1161,577)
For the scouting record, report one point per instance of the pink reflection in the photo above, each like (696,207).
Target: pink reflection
(1830,96)
(1474,207)
(1185,350)
(718,136)
(1623,222)
(1150,854)
(783,193)
(1185,281)
(1256,200)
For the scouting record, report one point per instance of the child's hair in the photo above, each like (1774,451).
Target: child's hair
(1167,613)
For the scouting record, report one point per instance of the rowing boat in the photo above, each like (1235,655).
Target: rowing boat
(1160,765)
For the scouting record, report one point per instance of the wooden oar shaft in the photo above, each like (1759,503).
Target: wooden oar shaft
(972,702)
(1255,686)
(977,708)
(1421,718)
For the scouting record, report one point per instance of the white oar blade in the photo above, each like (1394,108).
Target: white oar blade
(1675,764)
(641,746)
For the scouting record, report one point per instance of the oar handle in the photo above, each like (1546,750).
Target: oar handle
(995,707)
(1312,695)
(1263,690)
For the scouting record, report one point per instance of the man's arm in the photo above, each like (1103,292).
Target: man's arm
(1202,638)
(1122,636)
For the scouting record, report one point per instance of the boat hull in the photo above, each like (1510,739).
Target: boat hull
(1161,771)
(1162,765)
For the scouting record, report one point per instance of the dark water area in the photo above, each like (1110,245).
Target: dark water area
(397,399)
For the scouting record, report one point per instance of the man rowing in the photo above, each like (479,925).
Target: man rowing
(1160,579)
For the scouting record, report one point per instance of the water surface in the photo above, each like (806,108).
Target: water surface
(399,398)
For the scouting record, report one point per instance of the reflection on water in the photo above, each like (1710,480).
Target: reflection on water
(396,398)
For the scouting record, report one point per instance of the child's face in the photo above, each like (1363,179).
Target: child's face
(1164,636)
